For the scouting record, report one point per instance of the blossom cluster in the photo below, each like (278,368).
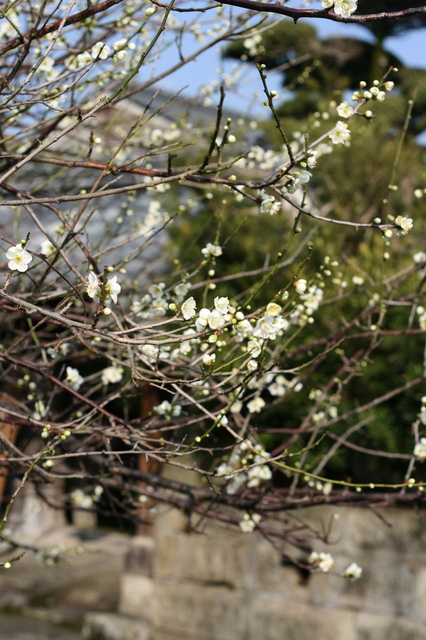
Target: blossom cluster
(158,300)
(238,470)
(268,204)
(73,378)
(249,522)
(322,561)
(104,293)
(344,8)
(167,409)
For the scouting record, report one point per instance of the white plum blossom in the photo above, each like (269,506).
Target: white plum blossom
(167,409)
(358,281)
(254,348)
(251,43)
(248,523)
(150,351)
(188,308)
(236,407)
(324,561)
(422,414)
(185,348)
(159,307)
(252,365)
(301,285)
(209,359)
(112,375)
(327,488)
(420,449)
(47,248)
(281,324)
(344,8)
(73,378)
(268,204)
(119,44)
(312,298)
(216,320)
(202,320)
(344,110)
(156,290)
(244,329)
(419,257)
(404,223)
(273,309)
(19,258)
(40,410)
(276,389)
(100,49)
(211,250)
(92,288)
(181,290)
(254,476)
(80,498)
(236,482)
(340,134)
(302,177)
(256,405)
(312,160)
(353,572)
(112,288)
(164,408)
(221,305)
(265,328)
(224,469)
(257,475)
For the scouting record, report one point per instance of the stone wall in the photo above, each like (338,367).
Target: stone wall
(226,585)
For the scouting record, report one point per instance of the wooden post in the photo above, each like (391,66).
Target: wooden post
(149,401)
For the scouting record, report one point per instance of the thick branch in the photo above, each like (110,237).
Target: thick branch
(296,14)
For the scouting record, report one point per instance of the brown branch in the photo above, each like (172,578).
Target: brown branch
(327,14)
(77,17)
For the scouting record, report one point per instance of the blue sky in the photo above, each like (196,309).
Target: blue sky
(410,48)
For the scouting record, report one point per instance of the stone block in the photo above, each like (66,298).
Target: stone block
(170,520)
(214,559)
(84,519)
(139,558)
(387,585)
(420,593)
(111,626)
(365,532)
(272,575)
(274,618)
(136,596)
(186,476)
(373,627)
(160,634)
(89,581)
(31,517)
(205,612)
(166,554)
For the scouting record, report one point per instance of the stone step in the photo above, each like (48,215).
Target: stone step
(112,626)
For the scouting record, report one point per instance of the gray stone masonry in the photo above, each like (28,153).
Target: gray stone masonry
(226,585)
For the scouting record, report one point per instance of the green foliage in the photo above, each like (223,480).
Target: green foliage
(345,186)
